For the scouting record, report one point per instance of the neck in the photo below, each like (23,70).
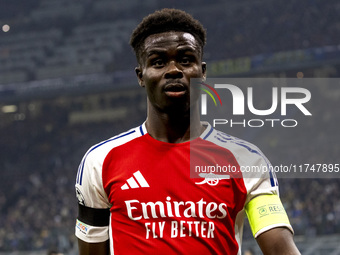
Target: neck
(173,127)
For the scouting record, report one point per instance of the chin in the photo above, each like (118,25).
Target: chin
(177,108)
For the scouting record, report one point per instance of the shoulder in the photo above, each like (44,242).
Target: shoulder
(100,150)
(239,147)
(253,164)
(95,156)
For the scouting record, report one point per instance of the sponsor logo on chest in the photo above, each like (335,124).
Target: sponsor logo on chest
(198,217)
(180,218)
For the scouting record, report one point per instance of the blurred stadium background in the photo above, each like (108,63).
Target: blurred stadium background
(67,81)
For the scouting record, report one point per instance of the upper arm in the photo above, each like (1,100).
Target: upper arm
(92,225)
(267,217)
(277,241)
(101,248)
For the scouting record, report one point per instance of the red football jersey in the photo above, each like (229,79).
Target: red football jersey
(158,203)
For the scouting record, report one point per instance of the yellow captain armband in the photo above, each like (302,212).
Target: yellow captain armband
(266,212)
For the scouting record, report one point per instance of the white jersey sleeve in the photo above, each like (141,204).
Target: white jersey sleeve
(94,207)
(92,199)
(262,206)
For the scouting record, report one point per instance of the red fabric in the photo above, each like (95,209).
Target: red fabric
(177,199)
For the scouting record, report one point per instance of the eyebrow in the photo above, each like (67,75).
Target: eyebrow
(155,51)
(180,49)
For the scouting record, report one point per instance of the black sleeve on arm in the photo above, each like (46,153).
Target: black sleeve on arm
(94,216)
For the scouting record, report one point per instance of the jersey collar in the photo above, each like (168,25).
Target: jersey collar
(208,129)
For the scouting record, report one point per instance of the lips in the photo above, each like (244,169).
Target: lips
(175,89)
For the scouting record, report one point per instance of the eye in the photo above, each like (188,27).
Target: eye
(185,60)
(158,62)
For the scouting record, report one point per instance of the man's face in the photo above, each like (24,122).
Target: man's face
(168,61)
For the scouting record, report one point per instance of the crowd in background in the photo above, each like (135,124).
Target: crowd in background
(39,160)
(49,39)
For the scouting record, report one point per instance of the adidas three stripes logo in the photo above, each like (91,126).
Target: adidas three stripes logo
(136,181)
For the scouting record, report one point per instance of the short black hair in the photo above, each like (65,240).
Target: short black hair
(166,20)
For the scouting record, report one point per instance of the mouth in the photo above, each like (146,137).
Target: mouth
(175,90)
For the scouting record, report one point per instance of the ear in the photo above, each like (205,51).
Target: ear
(139,74)
(204,70)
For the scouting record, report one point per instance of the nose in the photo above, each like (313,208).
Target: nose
(173,71)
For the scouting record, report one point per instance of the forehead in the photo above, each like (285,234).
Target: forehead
(170,39)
